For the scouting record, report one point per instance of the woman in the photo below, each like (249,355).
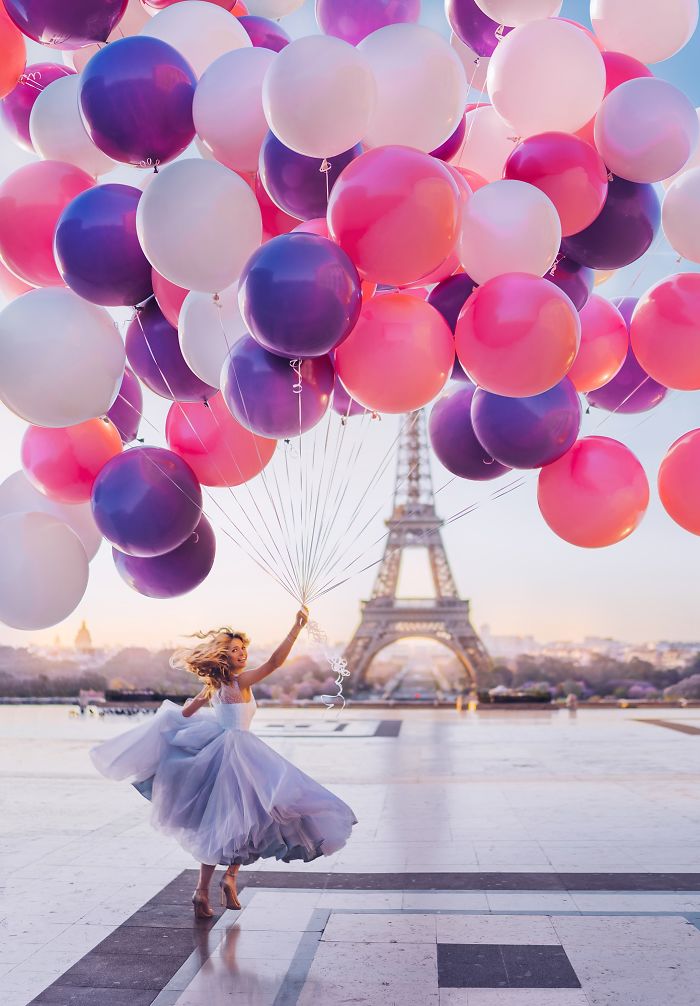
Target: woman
(223,793)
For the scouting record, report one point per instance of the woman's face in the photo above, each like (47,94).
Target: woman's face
(239,653)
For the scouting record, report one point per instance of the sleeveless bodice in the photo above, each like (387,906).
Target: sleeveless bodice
(231,710)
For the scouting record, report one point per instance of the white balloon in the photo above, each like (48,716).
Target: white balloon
(57,130)
(198,224)
(18,495)
(273,8)
(680,215)
(228,112)
(692,162)
(61,358)
(208,330)
(134,18)
(488,143)
(200,31)
(515,12)
(646,130)
(43,573)
(546,75)
(649,30)
(319,95)
(508,226)
(421,87)
(475,66)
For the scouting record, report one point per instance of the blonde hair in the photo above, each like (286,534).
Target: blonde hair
(210,660)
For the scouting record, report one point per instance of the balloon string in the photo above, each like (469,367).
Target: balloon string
(325,168)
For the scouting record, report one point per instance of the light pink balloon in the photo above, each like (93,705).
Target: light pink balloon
(508,226)
(488,143)
(546,75)
(680,215)
(649,30)
(516,12)
(646,130)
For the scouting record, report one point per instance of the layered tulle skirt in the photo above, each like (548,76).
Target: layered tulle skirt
(225,795)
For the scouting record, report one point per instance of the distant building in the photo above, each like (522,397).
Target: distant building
(83,640)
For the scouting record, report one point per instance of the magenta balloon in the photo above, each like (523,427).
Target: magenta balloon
(146,501)
(473,27)
(622,232)
(97,250)
(577,281)
(264,394)
(447,150)
(66,24)
(353,20)
(153,350)
(128,407)
(450,296)
(454,441)
(264,33)
(17,106)
(136,100)
(631,390)
(173,573)
(528,432)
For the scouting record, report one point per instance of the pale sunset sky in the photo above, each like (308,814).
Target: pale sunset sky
(520,578)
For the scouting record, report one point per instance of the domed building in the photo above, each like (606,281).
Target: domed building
(83,639)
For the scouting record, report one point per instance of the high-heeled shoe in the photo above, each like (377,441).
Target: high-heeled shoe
(202,908)
(229,895)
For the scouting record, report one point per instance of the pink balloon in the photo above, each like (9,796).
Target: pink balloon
(398,357)
(274,220)
(10,285)
(216,447)
(169,296)
(665,332)
(32,199)
(64,462)
(594,495)
(604,344)
(517,335)
(679,481)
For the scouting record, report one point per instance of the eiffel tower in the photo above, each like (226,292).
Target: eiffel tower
(414,523)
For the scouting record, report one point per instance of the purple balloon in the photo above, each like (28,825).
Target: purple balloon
(66,24)
(449,148)
(475,29)
(97,250)
(343,404)
(577,281)
(450,296)
(295,182)
(173,573)
(300,295)
(631,390)
(153,350)
(146,501)
(17,106)
(353,20)
(136,101)
(528,432)
(623,230)
(262,390)
(454,441)
(128,407)
(264,33)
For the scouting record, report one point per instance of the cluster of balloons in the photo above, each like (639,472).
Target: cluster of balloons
(330,220)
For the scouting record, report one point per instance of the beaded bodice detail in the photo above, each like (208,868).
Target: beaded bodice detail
(232,711)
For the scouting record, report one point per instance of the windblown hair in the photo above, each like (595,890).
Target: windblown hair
(210,660)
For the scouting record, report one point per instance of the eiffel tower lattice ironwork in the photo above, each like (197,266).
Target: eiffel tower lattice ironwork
(414,523)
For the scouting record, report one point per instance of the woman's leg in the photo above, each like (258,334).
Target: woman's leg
(206,872)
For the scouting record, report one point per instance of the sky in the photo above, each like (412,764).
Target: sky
(520,578)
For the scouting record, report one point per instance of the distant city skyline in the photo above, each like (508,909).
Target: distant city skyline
(521,579)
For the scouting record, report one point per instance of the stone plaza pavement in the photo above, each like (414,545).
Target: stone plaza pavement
(501,859)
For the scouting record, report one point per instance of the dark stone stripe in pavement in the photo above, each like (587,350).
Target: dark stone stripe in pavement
(682,728)
(388,728)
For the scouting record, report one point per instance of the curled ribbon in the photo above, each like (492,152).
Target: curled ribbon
(339,667)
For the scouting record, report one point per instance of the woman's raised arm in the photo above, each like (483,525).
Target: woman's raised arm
(248,678)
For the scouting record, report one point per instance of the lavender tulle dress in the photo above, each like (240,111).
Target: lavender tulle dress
(223,793)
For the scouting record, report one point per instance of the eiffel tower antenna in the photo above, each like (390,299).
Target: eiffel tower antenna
(414,523)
